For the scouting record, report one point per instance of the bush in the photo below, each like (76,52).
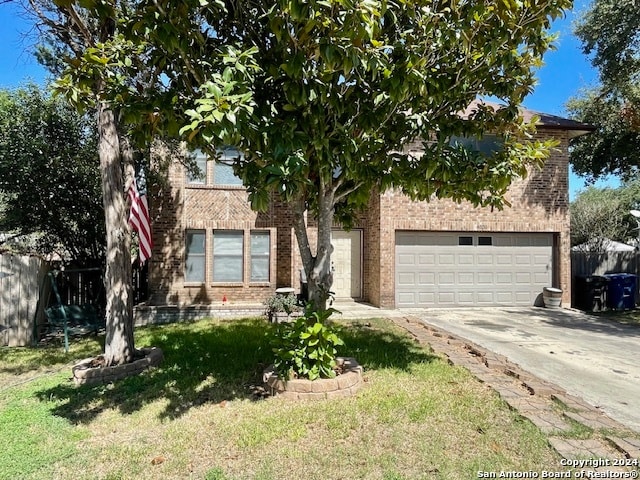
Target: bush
(306,348)
(281,303)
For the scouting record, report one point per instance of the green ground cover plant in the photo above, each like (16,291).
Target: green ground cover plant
(200,414)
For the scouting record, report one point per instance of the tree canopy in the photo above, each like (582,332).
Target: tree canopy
(601,214)
(339,89)
(322,96)
(610,35)
(49,179)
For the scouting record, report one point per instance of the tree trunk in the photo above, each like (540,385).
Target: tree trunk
(119,346)
(317,267)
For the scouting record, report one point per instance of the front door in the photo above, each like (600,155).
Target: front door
(346,262)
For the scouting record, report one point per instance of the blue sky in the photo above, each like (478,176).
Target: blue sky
(565,72)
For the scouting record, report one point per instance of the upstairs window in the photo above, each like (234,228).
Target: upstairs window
(199,176)
(487,145)
(220,173)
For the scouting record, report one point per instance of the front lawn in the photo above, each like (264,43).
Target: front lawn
(198,415)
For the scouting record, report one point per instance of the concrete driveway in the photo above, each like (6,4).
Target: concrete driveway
(597,361)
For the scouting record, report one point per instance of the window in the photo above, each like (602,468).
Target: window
(485,241)
(198,177)
(465,240)
(228,247)
(222,168)
(487,145)
(194,267)
(260,249)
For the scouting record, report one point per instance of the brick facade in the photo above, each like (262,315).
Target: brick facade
(540,203)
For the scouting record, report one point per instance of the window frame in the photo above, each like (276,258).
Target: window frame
(202,255)
(228,233)
(211,172)
(250,257)
(189,181)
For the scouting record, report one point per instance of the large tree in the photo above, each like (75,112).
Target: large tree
(342,86)
(601,214)
(132,62)
(610,34)
(321,96)
(48,176)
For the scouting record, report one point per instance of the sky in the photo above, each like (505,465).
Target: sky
(566,71)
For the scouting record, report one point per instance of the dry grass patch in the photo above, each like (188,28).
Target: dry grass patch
(195,416)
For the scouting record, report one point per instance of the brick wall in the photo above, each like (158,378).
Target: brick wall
(176,207)
(539,204)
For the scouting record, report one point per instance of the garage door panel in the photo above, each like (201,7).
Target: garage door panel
(486,298)
(426,259)
(523,278)
(540,278)
(446,259)
(505,297)
(426,298)
(432,269)
(540,259)
(446,298)
(466,259)
(504,278)
(406,298)
(446,278)
(426,278)
(407,278)
(466,278)
(485,278)
(406,259)
(485,259)
(504,259)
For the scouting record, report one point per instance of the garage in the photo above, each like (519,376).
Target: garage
(451,269)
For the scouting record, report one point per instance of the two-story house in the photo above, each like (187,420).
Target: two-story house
(211,249)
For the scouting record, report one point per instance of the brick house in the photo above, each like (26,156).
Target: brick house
(212,249)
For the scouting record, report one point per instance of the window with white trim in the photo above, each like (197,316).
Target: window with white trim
(199,176)
(228,256)
(195,256)
(260,256)
(220,174)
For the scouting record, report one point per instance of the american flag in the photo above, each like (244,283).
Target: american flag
(139,220)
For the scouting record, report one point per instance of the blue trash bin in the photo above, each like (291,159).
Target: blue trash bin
(621,291)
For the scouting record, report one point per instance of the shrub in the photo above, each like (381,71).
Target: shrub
(306,348)
(280,303)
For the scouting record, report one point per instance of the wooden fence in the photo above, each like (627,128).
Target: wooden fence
(589,263)
(584,264)
(20,281)
(25,292)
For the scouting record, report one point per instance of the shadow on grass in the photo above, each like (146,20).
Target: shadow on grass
(212,362)
(20,361)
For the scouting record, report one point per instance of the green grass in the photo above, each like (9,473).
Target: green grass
(626,317)
(196,416)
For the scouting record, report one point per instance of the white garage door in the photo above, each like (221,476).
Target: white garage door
(435,269)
